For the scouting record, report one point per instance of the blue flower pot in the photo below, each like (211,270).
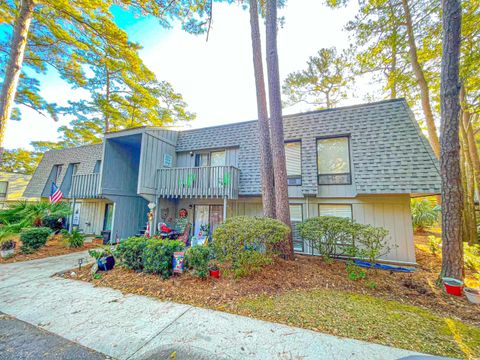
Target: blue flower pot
(106,263)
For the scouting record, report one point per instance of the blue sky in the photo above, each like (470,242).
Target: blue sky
(215,77)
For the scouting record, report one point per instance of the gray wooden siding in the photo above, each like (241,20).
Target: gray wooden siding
(130,215)
(120,166)
(155,144)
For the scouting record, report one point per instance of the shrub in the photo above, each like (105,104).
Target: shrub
(424,213)
(130,252)
(329,235)
(74,239)
(434,244)
(34,238)
(158,254)
(54,222)
(102,251)
(197,259)
(239,238)
(355,272)
(370,242)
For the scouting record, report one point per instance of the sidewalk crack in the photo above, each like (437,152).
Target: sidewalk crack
(158,333)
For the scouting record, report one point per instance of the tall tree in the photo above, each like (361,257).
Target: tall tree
(452,198)
(20,160)
(266,164)
(14,67)
(323,83)
(276,124)
(421,80)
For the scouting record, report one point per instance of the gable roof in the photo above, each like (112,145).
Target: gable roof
(86,156)
(390,155)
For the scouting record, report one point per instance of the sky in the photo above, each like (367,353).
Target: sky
(215,77)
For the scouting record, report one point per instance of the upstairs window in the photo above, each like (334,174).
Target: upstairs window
(57,171)
(217,158)
(75,168)
(333,161)
(98,164)
(293,159)
(3,189)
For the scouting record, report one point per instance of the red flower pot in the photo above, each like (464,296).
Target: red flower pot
(453,286)
(215,274)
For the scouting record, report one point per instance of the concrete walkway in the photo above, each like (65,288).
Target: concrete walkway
(137,327)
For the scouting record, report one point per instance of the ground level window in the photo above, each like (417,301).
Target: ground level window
(296,217)
(339,210)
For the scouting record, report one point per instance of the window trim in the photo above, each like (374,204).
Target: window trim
(350,205)
(2,196)
(301,157)
(58,168)
(348,137)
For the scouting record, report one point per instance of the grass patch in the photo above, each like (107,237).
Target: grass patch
(366,318)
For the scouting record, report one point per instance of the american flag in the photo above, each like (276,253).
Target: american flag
(55,194)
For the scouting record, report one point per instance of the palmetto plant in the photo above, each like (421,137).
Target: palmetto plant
(23,214)
(424,213)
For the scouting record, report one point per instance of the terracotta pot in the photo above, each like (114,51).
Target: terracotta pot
(215,274)
(453,286)
(97,241)
(473,295)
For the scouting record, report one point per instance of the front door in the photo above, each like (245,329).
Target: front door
(206,219)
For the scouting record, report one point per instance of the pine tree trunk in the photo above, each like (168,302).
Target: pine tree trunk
(473,150)
(421,81)
(14,66)
(266,164)
(276,123)
(452,199)
(468,215)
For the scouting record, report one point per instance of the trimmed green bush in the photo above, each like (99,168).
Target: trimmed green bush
(52,222)
(335,236)
(158,256)
(74,239)
(197,259)
(34,238)
(130,252)
(242,237)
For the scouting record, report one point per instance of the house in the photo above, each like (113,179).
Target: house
(363,162)
(12,186)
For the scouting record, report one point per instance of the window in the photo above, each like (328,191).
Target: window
(333,161)
(201,160)
(98,165)
(57,171)
(296,217)
(339,210)
(3,189)
(293,159)
(217,158)
(75,169)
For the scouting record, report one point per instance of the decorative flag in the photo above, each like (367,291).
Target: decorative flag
(55,194)
(147,230)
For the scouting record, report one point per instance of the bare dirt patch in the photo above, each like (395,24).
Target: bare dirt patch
(53,247)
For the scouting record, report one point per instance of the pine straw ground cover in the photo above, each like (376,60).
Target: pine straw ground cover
(53,247)
(397,309)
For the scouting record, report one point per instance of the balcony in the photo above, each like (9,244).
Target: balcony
(198,182)
(85,186)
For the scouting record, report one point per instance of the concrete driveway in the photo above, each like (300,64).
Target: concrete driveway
(137,327)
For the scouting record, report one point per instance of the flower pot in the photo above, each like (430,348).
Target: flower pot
(106,263)
(97,241)
(215,274)
(453,286)
(7,253)
(473,295)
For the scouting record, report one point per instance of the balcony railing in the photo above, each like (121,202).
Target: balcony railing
(85,186)
(206,181)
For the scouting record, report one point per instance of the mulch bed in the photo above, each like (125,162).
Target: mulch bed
(305,272)
(53,247)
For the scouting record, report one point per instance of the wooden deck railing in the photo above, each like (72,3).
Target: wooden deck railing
(206,181)
(85,186)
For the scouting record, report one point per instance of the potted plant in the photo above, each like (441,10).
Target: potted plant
(104,257)
(473,295)
(453,286)
(7,248)
(214,269)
